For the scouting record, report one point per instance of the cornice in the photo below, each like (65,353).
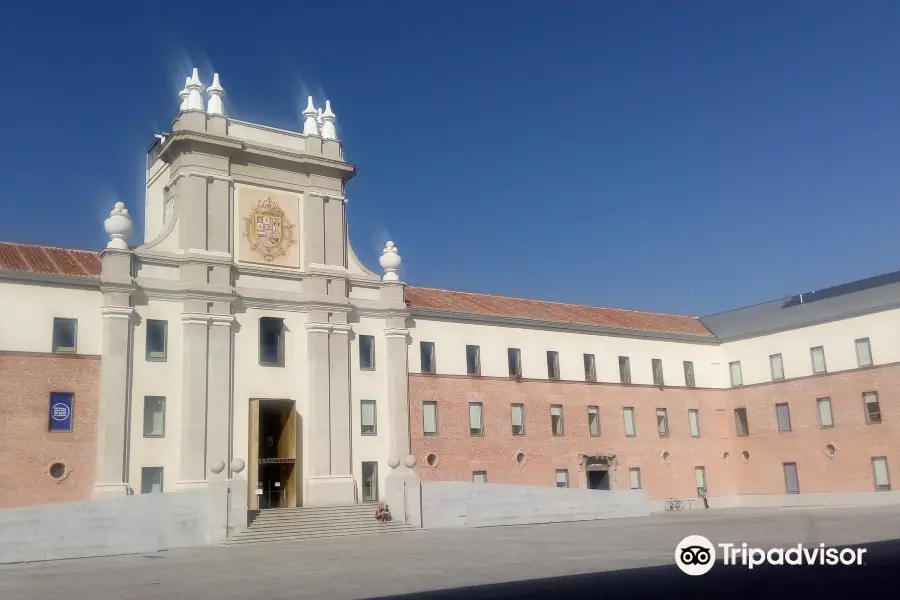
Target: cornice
(117,312)
(397,333)
(67,280)
(117,287)
(426,313)
(317,327)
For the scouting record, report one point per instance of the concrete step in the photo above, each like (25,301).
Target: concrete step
(295,536)
(314,528)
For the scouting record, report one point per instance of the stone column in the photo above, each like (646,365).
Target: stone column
(112,433)
(339,350)
(397,341)
(318,428)
(193,400)
(218,413)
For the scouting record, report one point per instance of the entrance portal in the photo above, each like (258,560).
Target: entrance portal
(273,473)
(597,480)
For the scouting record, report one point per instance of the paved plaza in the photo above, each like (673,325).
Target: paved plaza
(422,561)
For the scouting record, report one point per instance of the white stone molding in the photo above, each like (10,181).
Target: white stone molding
(327,118)
(216,92)
(318,327)
(168,226)
(118,227)
(397,333)
(390,261)
(341,329)
(193,173)
(195,319)
(310,121)
(221,320)
(117,312)
(195,90)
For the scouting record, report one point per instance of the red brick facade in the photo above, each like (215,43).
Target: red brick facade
(27,447)
(457,453)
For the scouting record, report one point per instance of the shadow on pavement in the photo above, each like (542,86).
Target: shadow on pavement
(879,573)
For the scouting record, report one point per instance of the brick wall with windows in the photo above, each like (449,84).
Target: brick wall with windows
(39,466)
(833,458)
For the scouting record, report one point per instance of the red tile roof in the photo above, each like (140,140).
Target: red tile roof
(29,258)
(556,312)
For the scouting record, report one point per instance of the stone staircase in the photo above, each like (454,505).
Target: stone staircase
(290,524)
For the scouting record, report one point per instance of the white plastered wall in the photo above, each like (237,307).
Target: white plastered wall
(26,323)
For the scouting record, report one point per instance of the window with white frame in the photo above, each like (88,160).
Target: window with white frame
(65,335)
(552,364)
(826,418)
(658,378)
(624,369)
(817,355)
(590,367)
(367,352)
(151,480)
(662,422)
(518,419)
(368,417)
(429,418)
(427,358)
(783,416)
(882,477)
(556,419)
(514,358)
(872,407)
(689,374)
(157,332)
(776,367)
(741,425)
(476,418)
(154,416)
(694,421)
(479,476)
(628,418)
(562,478)
(271,342)
(737,377)
(634,478)
(473,360)
(863,353)
(594,420)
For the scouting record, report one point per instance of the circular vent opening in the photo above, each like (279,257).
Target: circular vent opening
(665,456)
(520,458)
(830,449)
(431,459)
(57,470)
(726,456)
(745,455)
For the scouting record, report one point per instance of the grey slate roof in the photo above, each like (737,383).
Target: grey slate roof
(837,302)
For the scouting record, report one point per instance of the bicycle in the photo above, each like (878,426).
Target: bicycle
(674,505)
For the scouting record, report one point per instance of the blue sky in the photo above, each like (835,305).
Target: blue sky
(686,157)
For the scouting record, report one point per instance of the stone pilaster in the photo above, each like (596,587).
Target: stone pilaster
(218,409)
(339,351)
(397,341)
(193,400)
(112,435)
(319,421)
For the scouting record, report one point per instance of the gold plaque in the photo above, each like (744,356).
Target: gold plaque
(268,231)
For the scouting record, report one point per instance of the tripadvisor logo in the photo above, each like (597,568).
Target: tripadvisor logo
(696,555)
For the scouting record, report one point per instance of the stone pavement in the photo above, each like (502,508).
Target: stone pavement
(374,566)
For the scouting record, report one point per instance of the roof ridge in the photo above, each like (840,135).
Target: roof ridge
(629,310)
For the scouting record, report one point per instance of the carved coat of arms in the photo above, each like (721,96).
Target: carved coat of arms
(268,231)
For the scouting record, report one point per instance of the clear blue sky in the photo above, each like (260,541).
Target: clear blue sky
(685,157)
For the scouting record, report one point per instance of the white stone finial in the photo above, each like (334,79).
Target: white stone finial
(310,121)
(319,118)
(118,227)
(183,94)
(390,262)
(195,92)
(328,131)
(216,93)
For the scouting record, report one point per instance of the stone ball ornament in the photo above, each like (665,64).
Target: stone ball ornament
(394,462)
(237,465)
(118,227)
(217,466)
(409,461)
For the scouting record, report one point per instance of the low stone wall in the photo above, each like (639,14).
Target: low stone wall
(447,504)
(787,500)
(126,525)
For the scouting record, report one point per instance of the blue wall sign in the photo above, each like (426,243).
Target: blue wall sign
(60,412)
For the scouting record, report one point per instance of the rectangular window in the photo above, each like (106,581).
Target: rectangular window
(426,356)
(817,355)
(473,360)
(694,421)
(518,419)
(741,426)
(863,353)
(634,477)
(624,369)
(657,372)
(873,409)
(556,419)
(594,420)
(882,477)
(65,335)
(514,358)
(590,368)
(271,342)
(61,406)
(429,418)
(157,339)
(791,482)
(826,418)
(476,418)
(370,481)
(367,352)
(737,378)
(776,366)
(562,478)
(154,416)
(552,364)
(151,480)
(700,478)
(479,476)
(368,417)
(662,422)
(783,414)
(689,374)
(628,418)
